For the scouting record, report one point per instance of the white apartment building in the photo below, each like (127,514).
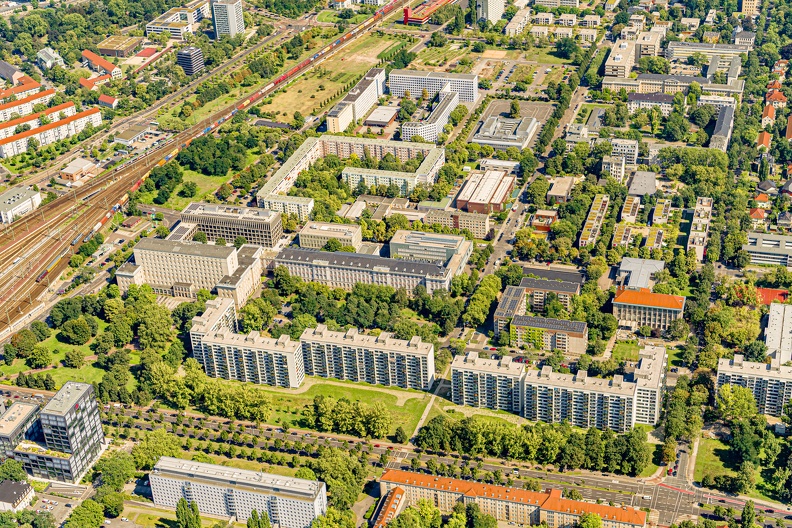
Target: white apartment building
(51,133)
(490,10)
(179,21)
(316,234)
(699,227)
(431,128)
(486,383)
(230,492)
(616,166)
(621,59)
(227,18)
(252,357)
(558,3)
(567,19)
(402,81)
(35,120)
(718,101)
(778,334)
(518,22)
(17,201)
(378,360)
(626,148)
(771,384)
(24,105)
(357,102)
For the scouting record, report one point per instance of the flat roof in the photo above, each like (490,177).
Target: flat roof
(576,276)
(330,229)
(382,114)
(356,260)
(132,132)
(545,323)
(13,196)
(550,285)
(510,301)
(15,416)
(183,248)
(643,182)
(490,187)
(383,341)
(504,366)
(435,75)
(778,334)
(640,271)
(255,481)
(66,398)
(119,42)
(229,211)
(420,238)
(738,366)
(769,243)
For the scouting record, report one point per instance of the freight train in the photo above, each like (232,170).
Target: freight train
(52,265)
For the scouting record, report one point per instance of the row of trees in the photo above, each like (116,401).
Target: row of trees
(345,417)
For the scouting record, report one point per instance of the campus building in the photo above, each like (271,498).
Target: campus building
(541,333)
(179,21)
(316,234)
(699,227)
(72,436)
(223,353)
(635,308)
(258,226)
(501,133)
(671,84)
(452,250)
(486,383)
(771,384)
(19,422)
(640,101)
(101,65)
(637,273)
(227,18)
(721,135)
(769,248)
(778,333)
(357,102)
(431,128)
(681,51)
(378,360)
(16,202)
(50,133)
(119,46)
(507,504)
(181,269)
(476,223)
(415,82)
(538,290)
(231,492)
(486,192)
(273,194)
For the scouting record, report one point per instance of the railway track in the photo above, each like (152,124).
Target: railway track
(26,250)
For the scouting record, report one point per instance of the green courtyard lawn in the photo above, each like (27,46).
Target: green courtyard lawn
(626,351)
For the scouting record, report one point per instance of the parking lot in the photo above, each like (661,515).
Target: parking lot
(57,506)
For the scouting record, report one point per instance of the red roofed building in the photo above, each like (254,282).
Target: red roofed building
(33,120)
(506,504)
(758,216)
(94,82)
(763,201)
(26,87)
(97,63)
(768,116)
(775,84)
(24,106)
(637,308)
(391,507)
(771,295)
(763,140)
(109,102)
(776,98)
(46,134)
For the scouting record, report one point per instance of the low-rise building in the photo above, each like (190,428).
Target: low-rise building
(661,212)
(15,496)
(622,236)
(699,227)
(119,45)
(77,169)
(561,189)
(594,220)
(721,135)
(641,101)
(630,209)
(98,64)
(501,133)
(541,333)
(48,58)
(769,248)
(637,274)
(643,183)
(486,192)
(16,202)
(316,234)
(636,308)
(486,383)
(476,223)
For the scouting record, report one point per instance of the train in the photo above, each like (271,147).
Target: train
(77,239)
(51,266)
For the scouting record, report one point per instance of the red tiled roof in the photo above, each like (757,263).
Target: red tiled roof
(98,61)
(763,140)
(29,99)
(389,508)
(552,501)
(146,52)
(774,84)
(769,111)
(775,95)
(91,83)
(107,99)
(645,297)
(25,84)
(771,295)
(762,198)
(54,124)
(31,117)
(757,213)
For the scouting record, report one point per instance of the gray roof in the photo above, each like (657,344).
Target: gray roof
(8,71)
(554,274)
(183,248)
(640,271)
(11,492)
(356,260)
(769,243)
(550,284)
(435,75)
(658,97)
(561,325)
(510,301)
(723,125)
(10,198)
(66,398)
(766,185)
(643,182)
(663,77)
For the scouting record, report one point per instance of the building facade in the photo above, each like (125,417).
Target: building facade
(486,383)
(357,102)
(227,18)
(50,133)
(769,248)
(771,384)
(191,60)
(16,202)
(19,422)
(540,333)
(316,234)
(258,226)
(476,223)
(635,308)
(414,82)
(431,247)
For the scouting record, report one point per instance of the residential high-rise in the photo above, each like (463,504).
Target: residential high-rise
(227,18)
(73,436)
(379,360)
(231,492)
(771,384)
(490,10)
(488,383)
(191,60)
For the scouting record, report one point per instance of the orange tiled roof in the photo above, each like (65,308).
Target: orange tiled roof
(645,297)
(107,99)
(769,111)
(775,84)
(31,117)
(547,501)
(763,140)
(54,124)
(25,84)
(762,198)
(98,61)
(91,83)
(775,95)
(30,98)
(757,213)
(389,508)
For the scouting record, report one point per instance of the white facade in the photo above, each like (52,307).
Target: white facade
(24,105)
(16,202)
(486,383)
(771,384)
(358,101)
(402,81)
(231,492)
(179,21)
(627,148)
(47,134)
(34,120)
(518,22)
(227,18)
(490,10)
(432,127)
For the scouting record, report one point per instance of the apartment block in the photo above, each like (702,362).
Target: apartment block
(258,226)
(16,202)
(35,120)
(316,234)
(414,82)
(655,82)
(769,248)
(640,101)
(648,44)
(626,148)
(616,166)
(635,308)
(344,270)
(507,504)
(778,333)
(486,383)
(357,102)
(23,106)
(476,223)
(661,211)
(181,269)
(558,3)
(511,304)
(540,333)
(223,353)
(431,128)
(51,133)
(655,238)
(630,209)
(25,88)
(718,101)
(179,21)
(699,227)
(538,291)
(452,250)
(378,360)
(518,23)
(72,436)
(771,384)
(227,18)
(101,65)
(594,220)
(231,492)
(622,236)
(621,59)
(490,10)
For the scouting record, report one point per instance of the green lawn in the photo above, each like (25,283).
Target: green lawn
(440,56)
(546,56)
(713,458)
(626,351)
(674,357)
(655,463)
(332,17)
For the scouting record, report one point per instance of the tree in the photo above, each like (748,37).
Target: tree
(736,402)
(74,358)
(155,444)
(589,520)
(240,241)
(189,189)
(113,472)
(566,47)
(748,517)
(201,237)
(40,330)
(39,358)
(438,40)
(258,521)
(12,470)
(299,120)
(89,514)
(112,502)
(401,436)
(677,127)
(514,109)
(335,518)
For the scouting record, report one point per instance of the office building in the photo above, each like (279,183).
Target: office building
(721,135)
(415,82)
(476,223)
(257,226)
(230,492)
(486,192)
(594,220)
(486,383)
(227,18)
(641,307)
(50,133)
(617,404)
(769,248)
(490,10)
(452,250)
(252,357)
(357,103)
(101,65)
(518,23)
(191,60)
(48,58)
(637,274)
(717,101)
(179,21)
(506,504)
(640,101)
(15,496)
(273,194)
(511,304)
(771,384)
(19,422)
(432,127)
(378,360)
(72,436)
(501,133)
(681,51)
(316,234)
(344,270)
(778,334)
(181,269)
(699,227)
(656,82)
(16,202)
(541,333)
(621,59)
(119,46)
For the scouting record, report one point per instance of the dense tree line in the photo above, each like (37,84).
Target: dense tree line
(426,515)
(213,157)
(344,417)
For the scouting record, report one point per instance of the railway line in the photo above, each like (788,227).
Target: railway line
(31,270)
